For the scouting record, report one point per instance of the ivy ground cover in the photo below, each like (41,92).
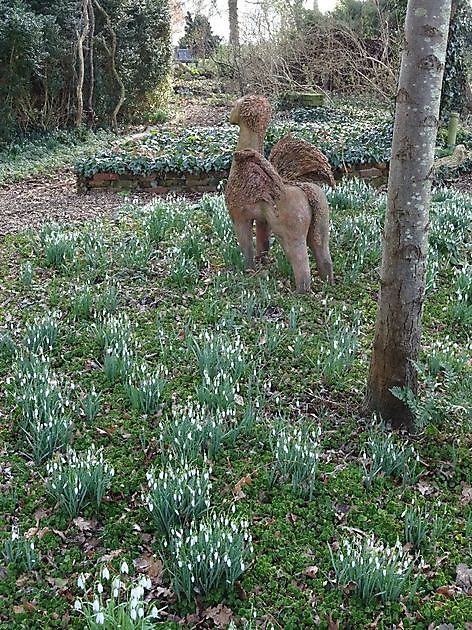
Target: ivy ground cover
(182,442)
(348,135)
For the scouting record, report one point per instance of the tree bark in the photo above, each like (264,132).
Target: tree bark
(405,239)
(233,23)
(234,42)
(91,63)
(81,70)
(111,52)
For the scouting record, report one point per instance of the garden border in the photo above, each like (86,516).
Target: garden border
(163,183)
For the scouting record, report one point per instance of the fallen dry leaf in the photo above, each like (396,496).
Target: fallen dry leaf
(39,514)
(29,533)
(332,625)
(424,488)
(84,525)
(107,431)
(464,578)
(238,488)
(164,593)
(220,615)
(24,608)
(149,564)
(21,581)
(108,557)
(466,494)
(311,572)
(447,591)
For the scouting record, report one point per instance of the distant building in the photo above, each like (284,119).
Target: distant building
(184,55)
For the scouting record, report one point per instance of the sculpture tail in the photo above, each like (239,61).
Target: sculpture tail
(299,161)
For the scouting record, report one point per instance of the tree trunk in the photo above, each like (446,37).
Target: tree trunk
(405,239)
(233,23)
(81,70)
(111,52)
(234,41)
(91,62)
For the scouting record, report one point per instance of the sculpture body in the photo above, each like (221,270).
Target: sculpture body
(297,212)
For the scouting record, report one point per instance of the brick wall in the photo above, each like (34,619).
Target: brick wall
(162,183)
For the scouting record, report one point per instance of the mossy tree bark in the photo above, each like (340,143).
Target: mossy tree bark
(81,36)
(111,52)
(405,239)
(91,62)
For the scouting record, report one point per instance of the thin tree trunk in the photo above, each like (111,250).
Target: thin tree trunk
(234,41)
(81,70)
(91,63)
(405,239)
(111,52)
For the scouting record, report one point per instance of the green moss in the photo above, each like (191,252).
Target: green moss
(290,534)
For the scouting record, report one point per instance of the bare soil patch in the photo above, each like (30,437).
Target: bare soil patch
(463,183)
(42,199)
(193,113)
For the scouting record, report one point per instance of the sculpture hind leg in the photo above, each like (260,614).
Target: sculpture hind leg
(318,242)
(262,239)
(296,252)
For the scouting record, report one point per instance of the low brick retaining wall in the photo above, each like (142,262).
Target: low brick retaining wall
(160,184)
(163,183)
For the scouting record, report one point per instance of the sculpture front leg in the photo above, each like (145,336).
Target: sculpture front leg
(262,239)
(243,231)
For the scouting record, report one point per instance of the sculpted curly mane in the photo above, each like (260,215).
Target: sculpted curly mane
(253,179)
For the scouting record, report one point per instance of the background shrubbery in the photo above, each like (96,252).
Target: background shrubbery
(354,49)
(41,65)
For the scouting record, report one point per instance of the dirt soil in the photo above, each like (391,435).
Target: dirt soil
(42,199)
(191,112)
(462,183)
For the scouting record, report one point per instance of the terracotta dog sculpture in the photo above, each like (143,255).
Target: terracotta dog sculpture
(297,212)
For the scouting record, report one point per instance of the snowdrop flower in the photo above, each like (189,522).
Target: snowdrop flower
(96,606)
(105,573)
(100,619)
(77,605)
(81,582)
(124,567)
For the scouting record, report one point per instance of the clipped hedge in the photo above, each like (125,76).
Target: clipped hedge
(349,136)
